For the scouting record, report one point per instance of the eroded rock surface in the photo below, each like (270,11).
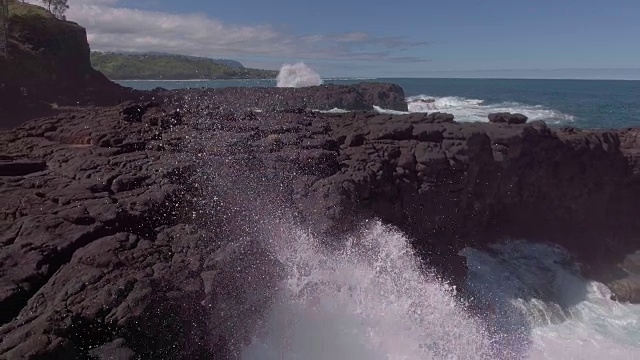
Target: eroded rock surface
(96,245)
(142,230)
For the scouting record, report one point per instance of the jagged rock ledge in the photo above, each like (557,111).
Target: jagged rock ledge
(138,230)
(362,96)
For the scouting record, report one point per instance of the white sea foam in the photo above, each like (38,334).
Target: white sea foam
(389,111)
(369,300)
(544,307)
(333,111)
(297,75)
(471,110)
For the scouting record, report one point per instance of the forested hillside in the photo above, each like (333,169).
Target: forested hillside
(120,66)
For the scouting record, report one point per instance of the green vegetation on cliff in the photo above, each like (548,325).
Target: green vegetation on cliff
(18,8)
(47,62)
(118,66)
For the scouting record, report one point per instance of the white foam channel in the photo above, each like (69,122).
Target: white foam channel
(333,111)
(389,111)
(472,110)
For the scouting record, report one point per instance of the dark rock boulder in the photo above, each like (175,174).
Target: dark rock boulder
(508,118)
(387,96)
(625,284)
(438,117)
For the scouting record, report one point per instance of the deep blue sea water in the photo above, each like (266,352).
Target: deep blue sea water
(579,103)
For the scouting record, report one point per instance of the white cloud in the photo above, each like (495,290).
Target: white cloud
(111,27)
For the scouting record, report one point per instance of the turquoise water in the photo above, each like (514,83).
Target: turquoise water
(579,103)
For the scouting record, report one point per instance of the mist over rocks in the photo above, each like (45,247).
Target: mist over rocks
(142,228)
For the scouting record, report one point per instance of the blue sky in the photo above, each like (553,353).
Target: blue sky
(378,38)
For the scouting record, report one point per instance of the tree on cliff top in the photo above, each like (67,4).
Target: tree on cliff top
(57,7)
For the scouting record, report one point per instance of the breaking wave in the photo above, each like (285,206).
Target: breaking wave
(472,110)
(541,308)
(373,299)
(297,75)
(370,300)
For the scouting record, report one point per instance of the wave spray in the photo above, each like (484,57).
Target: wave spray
(368,300)
(298,75)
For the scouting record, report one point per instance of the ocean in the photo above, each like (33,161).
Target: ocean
(580,103)
(373,299)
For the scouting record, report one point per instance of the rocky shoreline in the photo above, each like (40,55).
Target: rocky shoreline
(138,230)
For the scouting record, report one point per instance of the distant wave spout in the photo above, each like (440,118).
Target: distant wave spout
(298,75)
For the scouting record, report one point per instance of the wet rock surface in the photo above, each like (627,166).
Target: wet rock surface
(126,231)
(508,118)
(626,286)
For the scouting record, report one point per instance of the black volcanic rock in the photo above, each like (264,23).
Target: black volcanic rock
(440,117)
(149,238)
(95,246)
(362,96)
(47,62)
(18,167)
(626,286)
(508,118)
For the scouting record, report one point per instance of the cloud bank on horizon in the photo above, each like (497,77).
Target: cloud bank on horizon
(114,27)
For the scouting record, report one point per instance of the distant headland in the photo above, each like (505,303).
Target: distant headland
(156,66)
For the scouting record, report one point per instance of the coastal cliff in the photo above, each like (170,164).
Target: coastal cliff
(144,234)
(47,64)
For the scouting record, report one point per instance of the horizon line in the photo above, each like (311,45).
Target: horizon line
(509,78)
(350,78)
